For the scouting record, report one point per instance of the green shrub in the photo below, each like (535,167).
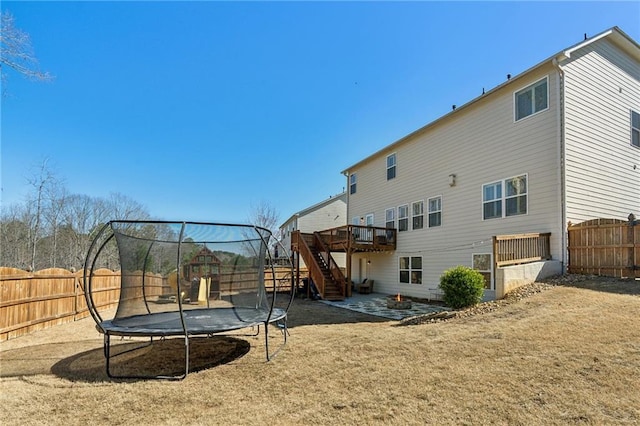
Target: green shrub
(462,287)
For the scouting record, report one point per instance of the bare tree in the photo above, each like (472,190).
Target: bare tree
(265,215)
(14,233)
(45,184)
(122,207)
(16,51)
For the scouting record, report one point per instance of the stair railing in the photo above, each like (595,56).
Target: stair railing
(330,263)
(315,272)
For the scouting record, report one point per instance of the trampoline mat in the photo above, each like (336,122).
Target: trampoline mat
(198,321)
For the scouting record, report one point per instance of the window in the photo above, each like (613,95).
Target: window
(635,129)
(497,203)
(482,263)
(390,218)
(417,211)
(532,99)
(368,219)
(410,269)
(516,196)
(435,211)
(403,218)
(391,166)
(353,180)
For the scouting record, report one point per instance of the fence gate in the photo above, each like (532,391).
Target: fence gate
(606,247)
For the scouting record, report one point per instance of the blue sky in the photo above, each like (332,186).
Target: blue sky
(199,110)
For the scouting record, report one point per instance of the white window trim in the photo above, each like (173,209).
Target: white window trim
(407,217)
(491,272)
(395,166)
(515,100)
(504,197)
(410,270)
(353,183)
(633,129)
(412,215)
(429,211)
(369,219)
(393,214)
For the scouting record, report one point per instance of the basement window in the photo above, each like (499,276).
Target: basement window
(410,269)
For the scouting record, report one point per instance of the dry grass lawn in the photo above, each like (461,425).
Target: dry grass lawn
(567,355)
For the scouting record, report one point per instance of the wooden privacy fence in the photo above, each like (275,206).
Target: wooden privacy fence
(606,247)
(35,301)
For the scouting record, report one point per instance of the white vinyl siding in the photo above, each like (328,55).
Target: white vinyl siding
(480,144)
(602,85)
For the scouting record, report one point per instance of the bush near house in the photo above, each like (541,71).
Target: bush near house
(462,287)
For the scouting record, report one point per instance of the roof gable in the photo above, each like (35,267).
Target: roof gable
(615,34)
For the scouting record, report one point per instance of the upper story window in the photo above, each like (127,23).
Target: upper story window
(635,129)
(435,211)
(511,201)
(353,180)
(390,218)
(532,99)
(417,213)
(391,166)
(403,218)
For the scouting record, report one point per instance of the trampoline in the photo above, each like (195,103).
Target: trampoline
(185,279)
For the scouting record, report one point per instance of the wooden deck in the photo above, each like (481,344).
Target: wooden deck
(355,238)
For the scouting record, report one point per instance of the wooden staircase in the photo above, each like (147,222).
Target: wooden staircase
(323,270)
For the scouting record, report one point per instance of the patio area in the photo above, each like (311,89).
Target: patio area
(376,304)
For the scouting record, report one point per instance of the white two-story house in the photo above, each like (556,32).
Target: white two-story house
(559,142)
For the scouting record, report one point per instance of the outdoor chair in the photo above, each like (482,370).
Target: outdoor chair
(365,287)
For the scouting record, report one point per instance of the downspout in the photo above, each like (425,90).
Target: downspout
(348,253)
(562,170)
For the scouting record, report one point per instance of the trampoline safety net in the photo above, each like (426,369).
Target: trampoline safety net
(187,278)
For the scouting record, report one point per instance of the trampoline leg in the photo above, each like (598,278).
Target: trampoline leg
(285,332)
(186,357)
(107,353)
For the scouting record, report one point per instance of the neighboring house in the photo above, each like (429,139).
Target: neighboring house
(558,143)
(330,213)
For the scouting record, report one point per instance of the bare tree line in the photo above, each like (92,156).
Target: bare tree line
(53,228)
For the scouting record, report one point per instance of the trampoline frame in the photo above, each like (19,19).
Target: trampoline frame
(186,323)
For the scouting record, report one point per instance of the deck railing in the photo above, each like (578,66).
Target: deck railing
(521,248)
(357,236)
